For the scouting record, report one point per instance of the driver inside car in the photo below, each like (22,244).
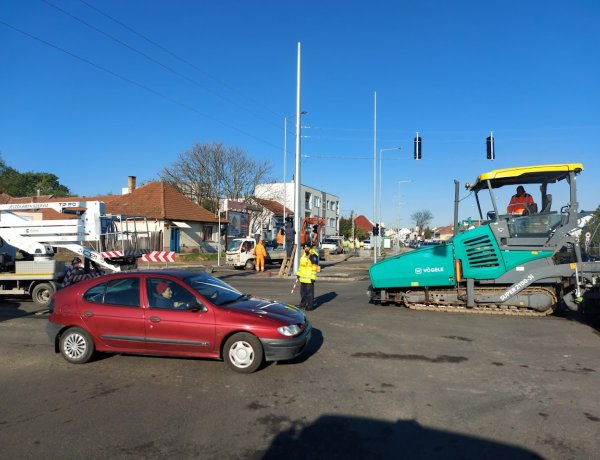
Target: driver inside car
(164,297)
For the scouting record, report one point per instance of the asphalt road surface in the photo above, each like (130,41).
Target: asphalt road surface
(376,382)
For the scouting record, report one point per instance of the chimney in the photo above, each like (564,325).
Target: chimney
(130,184)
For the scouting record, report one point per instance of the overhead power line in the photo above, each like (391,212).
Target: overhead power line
(153,60)
(179,58)
(135,83)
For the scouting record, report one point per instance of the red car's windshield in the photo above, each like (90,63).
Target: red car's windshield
(215,290)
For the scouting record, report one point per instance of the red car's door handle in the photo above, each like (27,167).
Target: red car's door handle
(155,319)
(88,313)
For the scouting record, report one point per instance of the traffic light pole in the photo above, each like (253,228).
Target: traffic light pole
(373,239)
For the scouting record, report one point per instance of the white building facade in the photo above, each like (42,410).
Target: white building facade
(314,202)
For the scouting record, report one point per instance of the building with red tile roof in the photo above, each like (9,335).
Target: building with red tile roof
(363,223)
(174,221)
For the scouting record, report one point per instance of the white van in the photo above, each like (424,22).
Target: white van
(334,246)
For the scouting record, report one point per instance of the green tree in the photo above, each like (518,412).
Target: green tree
(208,172)
(422,218)
(360,233)
(29,183)
(346,226)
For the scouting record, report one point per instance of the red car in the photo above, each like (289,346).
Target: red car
(175,313)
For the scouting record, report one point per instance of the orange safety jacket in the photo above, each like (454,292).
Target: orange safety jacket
(518,204)
(260,250)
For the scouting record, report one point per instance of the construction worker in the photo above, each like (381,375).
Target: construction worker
(260,252)
(76,268)
(307,275)
(520,202)
(290,235)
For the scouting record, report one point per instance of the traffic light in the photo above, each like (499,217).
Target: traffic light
(417,154)
(491,153)
(376,230)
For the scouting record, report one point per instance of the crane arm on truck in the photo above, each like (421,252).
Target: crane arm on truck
(25,244)
(89,254)
(89,233)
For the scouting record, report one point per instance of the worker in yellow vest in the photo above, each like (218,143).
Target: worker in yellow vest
(307,275)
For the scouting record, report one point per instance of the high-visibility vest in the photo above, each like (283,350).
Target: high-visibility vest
(518,204)
(305,271)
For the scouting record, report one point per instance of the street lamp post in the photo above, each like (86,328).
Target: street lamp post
(380,192)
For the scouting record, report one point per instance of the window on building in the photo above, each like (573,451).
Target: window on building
(317,201)
(307,199)
(331,222)
(207,233)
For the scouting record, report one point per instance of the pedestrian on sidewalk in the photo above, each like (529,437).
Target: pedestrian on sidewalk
(307,275)
(260,252)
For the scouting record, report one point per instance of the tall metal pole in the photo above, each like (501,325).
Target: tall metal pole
(219,237)
(353,238)
(379,214)
(284,164)
(374,238)
(297,177)
(379,204)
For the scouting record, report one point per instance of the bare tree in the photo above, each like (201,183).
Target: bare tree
(207,172)
(421,218)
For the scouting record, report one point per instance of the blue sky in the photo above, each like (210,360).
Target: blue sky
(226,71)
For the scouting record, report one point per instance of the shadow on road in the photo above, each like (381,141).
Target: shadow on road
(324,298)
(315,344)
(342,437)
(11,309)
(590,318)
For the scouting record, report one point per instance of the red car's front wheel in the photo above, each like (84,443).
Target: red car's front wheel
(243,353)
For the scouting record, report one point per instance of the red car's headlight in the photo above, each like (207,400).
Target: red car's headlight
(289,331)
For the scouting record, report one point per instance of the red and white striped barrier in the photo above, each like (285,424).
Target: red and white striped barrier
(159,256)
(129,253)
(111,254)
